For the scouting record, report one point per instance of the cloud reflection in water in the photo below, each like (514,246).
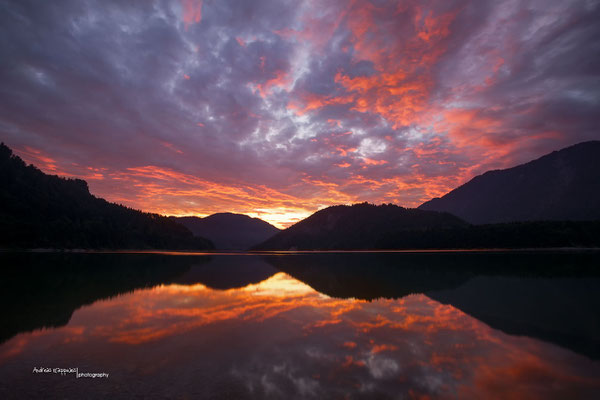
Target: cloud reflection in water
(280,338)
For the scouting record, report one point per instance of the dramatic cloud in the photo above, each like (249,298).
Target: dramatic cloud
(277,108)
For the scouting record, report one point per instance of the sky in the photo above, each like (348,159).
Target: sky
(277,108)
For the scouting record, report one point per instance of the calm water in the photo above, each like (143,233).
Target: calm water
(454,325)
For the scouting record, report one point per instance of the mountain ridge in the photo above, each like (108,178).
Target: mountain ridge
(38,210)
(563,185)
(359,226)
(230,231)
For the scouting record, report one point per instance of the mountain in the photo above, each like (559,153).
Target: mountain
(46,211)
(562,185)
(360,226)
(230,231)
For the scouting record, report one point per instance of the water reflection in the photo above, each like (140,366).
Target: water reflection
(44,289)
(232,271)
(174,336)
(552,296)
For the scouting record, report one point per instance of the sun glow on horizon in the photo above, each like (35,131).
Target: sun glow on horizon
(279,218)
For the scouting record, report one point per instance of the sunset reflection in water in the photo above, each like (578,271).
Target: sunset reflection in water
(280,338)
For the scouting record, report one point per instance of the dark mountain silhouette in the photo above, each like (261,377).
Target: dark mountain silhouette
(230,231)
(46,211)
(562,185)
(360,226)
(386,227)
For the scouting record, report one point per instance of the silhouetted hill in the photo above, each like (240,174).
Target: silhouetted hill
(563,185)
(230,231)
(360,226)
(47,211)
(369,227)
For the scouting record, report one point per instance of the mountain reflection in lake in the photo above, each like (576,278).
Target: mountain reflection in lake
(302,326)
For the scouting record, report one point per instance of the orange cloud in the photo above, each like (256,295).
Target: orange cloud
(240,41)
(282,79)
(171,146)
(335,122)
(369,161)
(53,166)
(192,12)
(39,159)
(400,89)
(310,101)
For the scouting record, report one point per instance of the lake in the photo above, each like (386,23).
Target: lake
(473,325)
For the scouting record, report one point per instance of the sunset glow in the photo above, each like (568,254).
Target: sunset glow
(277,109)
